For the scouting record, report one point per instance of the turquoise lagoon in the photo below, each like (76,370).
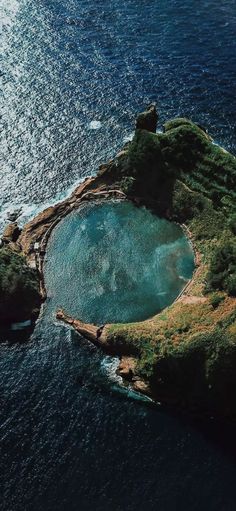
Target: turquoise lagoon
(115,262)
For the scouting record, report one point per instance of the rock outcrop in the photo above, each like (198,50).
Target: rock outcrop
(93,333)
(13,215)
(147,120)
(11,233)
(20,297)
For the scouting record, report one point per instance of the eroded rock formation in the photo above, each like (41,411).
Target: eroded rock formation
(147,120)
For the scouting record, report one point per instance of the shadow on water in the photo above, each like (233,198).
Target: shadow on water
(219,432)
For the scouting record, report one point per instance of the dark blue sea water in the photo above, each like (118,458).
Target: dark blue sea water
(68,63)
(74,74)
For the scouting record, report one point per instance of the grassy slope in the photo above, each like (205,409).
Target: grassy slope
(188,351)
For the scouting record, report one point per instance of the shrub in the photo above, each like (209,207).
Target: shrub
(186,203)
(145,156)
(232,223)
(216,299)
(222,271)
(183,151)
(231,284)
(184,147)
(176,123)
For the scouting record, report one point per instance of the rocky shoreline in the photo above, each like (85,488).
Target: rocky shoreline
(99,337)
(32,240)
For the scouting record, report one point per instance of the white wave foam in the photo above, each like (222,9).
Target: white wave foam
(8,13)
(214,142)
(181,277)
(110,365)
(99,290)
(129,138)
(29,211)
(95,125)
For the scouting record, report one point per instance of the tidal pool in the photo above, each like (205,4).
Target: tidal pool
(114,262)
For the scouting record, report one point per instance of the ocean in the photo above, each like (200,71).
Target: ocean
(74,75)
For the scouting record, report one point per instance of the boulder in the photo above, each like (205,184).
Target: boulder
(126,368)
(13,215)
(11,233)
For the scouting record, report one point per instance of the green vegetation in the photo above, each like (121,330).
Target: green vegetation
(200,373)
(187,353)
(127,184)
(222,270)
(185,152)
(187,204)
(232,223)
(19,288)
(216,299)
(147,165)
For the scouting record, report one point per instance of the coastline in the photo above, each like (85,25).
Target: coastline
(175,331)
(40,228)
(39,231)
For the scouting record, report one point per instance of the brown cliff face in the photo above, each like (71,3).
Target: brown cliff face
(93,333)
(11,233)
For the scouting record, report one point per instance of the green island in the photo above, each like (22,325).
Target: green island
(186,355)
(20,297)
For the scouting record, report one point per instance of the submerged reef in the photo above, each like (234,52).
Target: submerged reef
(185,355)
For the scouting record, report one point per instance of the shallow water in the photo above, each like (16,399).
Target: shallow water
(114,262)
(74,73)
